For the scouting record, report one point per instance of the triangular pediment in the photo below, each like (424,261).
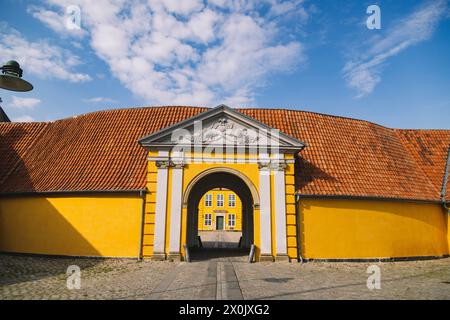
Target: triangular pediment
(221,125)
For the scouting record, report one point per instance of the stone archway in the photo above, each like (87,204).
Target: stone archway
(220,148)
(221,178)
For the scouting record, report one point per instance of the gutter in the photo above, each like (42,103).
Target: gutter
(142,194)
(38,193)
(444,182)
(352,197)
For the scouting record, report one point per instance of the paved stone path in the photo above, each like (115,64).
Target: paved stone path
(211,275)
(219,275)
(220,239)
(213,280)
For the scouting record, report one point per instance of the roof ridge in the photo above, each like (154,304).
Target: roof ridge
(123,109)
(322,114)
(239,109)
(340,117)
(425,130)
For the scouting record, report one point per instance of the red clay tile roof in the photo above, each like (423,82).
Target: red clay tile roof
(349,157)
(344,157)
(16,139)
(430,149)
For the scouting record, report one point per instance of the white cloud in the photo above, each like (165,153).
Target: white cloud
(23,119)
(57,21)
(181,7)
(40,58)
(190,51)
(99,100)
(363,72)
(23,103)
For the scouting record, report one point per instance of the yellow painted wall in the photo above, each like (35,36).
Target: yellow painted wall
(448,229)
(338,229)
(291,214)
(94,225)
(236,210)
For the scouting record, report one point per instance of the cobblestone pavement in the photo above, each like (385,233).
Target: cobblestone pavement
(316,280)
(229,277)
(26,277)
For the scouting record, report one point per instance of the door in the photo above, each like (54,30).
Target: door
(219,223)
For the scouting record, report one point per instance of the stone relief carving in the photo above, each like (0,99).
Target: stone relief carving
(224,131)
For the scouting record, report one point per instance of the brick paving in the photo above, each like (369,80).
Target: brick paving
(230,277)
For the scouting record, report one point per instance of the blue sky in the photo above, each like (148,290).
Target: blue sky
(309,55)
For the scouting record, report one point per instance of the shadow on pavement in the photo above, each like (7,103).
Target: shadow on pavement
(230,254)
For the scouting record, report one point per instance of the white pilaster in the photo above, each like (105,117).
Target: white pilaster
(161,206)
(280,210)
(175,209)
(265,212)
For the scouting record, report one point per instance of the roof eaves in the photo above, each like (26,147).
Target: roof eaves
(357,197)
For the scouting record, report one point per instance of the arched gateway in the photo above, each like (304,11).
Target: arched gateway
(222,148)
(221,178)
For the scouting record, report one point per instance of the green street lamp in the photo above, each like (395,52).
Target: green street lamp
(11,78)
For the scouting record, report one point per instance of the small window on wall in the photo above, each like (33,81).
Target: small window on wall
(208,200)
(219,200)
(208,219)
(231,220)
(232,200)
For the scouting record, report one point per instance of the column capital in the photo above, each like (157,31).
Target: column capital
(278,165)
(264,165)
(162,164)
(179,164)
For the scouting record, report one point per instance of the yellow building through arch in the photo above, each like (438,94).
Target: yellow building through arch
(220,209)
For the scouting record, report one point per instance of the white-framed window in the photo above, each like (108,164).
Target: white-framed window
(208,200)
(232,220)
(219,200)
(208,219)
(232,200)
